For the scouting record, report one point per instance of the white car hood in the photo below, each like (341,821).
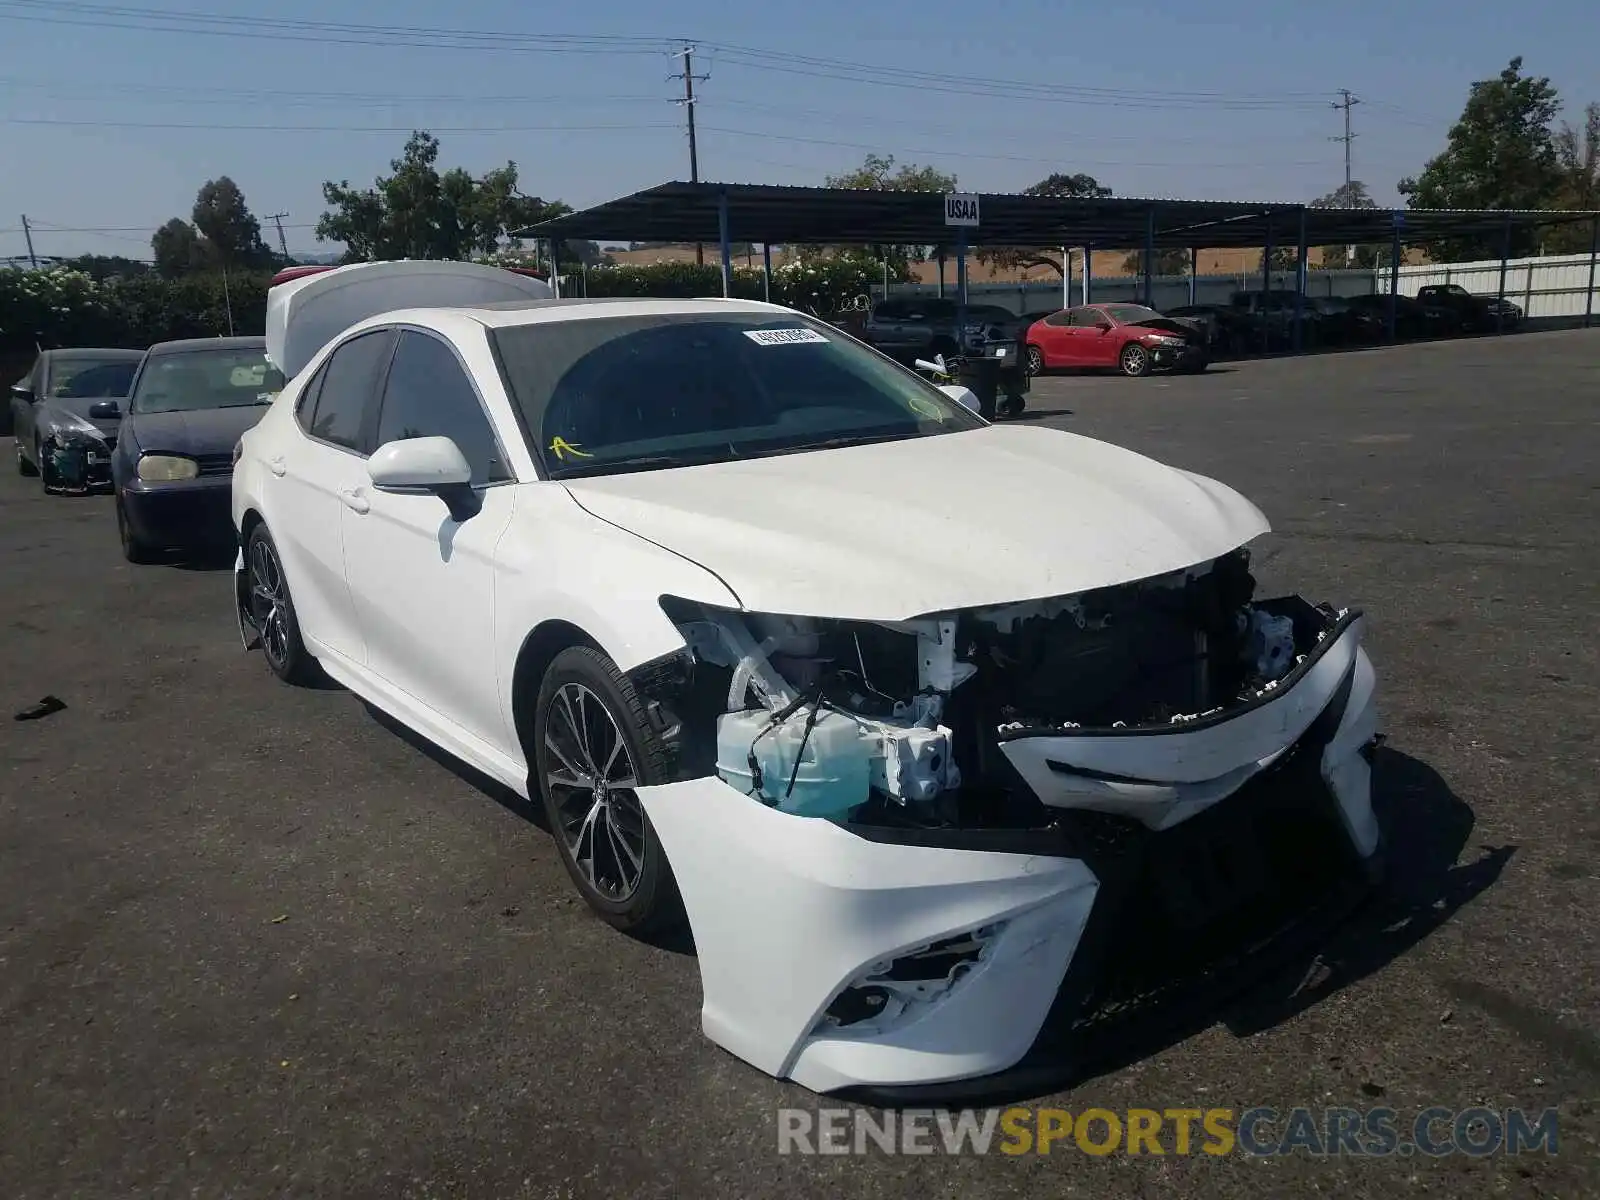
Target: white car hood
(897,530)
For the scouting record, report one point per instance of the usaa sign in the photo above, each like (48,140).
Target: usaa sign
(961,208)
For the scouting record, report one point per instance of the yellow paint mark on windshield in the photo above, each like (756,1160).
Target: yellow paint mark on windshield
(561,448)
(926,408)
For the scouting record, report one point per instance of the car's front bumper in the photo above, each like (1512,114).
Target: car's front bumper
(181,513)
(75,465)
(1180,358)
(798,921)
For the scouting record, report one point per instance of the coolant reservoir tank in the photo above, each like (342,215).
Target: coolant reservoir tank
(834,766)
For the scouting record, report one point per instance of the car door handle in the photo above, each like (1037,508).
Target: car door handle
(277,466)
(354,500)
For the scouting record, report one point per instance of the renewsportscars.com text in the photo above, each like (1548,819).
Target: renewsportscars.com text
(1257,1132)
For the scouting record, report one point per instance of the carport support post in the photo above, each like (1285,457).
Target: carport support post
(1194,272)
(1266,289)
(555,269)
(1594,254)
(1088,271)
(1149,257)
(1394,279)
(766,271)
(941,273)
(727,247)
(1505,253)
(1300,287)
(961,289)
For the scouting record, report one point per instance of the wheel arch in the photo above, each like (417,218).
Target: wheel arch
(538,650)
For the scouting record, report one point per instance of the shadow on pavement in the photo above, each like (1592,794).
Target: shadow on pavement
(1426,827)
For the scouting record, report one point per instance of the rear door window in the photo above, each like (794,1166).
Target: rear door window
(349,389)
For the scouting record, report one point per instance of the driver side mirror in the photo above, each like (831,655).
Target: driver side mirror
(962,396)
(105,410)
(22,392)
(432,465)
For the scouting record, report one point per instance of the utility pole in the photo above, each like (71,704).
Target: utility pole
(688,76)
(27,232)
(283,245)
(1346,102)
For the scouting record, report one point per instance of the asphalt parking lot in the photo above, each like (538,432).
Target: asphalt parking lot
(254,941)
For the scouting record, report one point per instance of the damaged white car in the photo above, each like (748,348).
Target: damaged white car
(910,717)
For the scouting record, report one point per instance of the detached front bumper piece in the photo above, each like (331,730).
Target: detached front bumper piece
(885,961)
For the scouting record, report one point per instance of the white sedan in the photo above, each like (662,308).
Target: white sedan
(922,724)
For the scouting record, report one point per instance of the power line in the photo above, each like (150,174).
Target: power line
(1032,159)
(871,74)
(565,127)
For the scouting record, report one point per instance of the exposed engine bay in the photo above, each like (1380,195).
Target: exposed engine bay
(860,721)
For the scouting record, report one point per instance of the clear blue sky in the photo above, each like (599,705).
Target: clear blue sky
(113,115)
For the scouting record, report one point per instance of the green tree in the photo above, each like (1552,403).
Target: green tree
(877,173)
(417,212)
(1337,258)
(1167,260)
(101,267)
(177,249)
(1072,187)
(1578,157)
(1500,154)
(231,233)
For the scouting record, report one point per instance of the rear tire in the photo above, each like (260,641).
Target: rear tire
(593,746)
(1134,360)
(272,610)
(1035,365)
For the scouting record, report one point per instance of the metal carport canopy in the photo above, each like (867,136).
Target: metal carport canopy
(692,212)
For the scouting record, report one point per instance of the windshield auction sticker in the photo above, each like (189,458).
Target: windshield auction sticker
(785,337)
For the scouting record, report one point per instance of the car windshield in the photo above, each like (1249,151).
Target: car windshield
(1129,314)
(91,378)
(224,377)
(610,394)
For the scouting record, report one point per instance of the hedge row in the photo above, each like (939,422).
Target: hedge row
(61,307)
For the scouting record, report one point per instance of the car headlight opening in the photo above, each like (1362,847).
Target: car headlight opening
(166,468)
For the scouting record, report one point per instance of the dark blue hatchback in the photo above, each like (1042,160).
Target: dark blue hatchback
(173,465)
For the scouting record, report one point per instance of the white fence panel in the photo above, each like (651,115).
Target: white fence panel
(1555,286)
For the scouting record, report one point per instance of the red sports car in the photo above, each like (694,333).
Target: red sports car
(1130,337)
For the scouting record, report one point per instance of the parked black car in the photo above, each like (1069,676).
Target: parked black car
(1228,331)
(1413,318)
(173,468)
(911,327)
(1477,314)
(65,415)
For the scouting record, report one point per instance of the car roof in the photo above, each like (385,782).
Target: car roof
(189,345)
(112,352)
(505,314)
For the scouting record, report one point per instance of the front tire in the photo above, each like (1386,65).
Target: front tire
(272,611)
(46,473)
(24,468)
(138,552)
(1134,360)
(593,747)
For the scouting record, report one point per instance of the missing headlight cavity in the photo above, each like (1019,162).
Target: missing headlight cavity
(902,721)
